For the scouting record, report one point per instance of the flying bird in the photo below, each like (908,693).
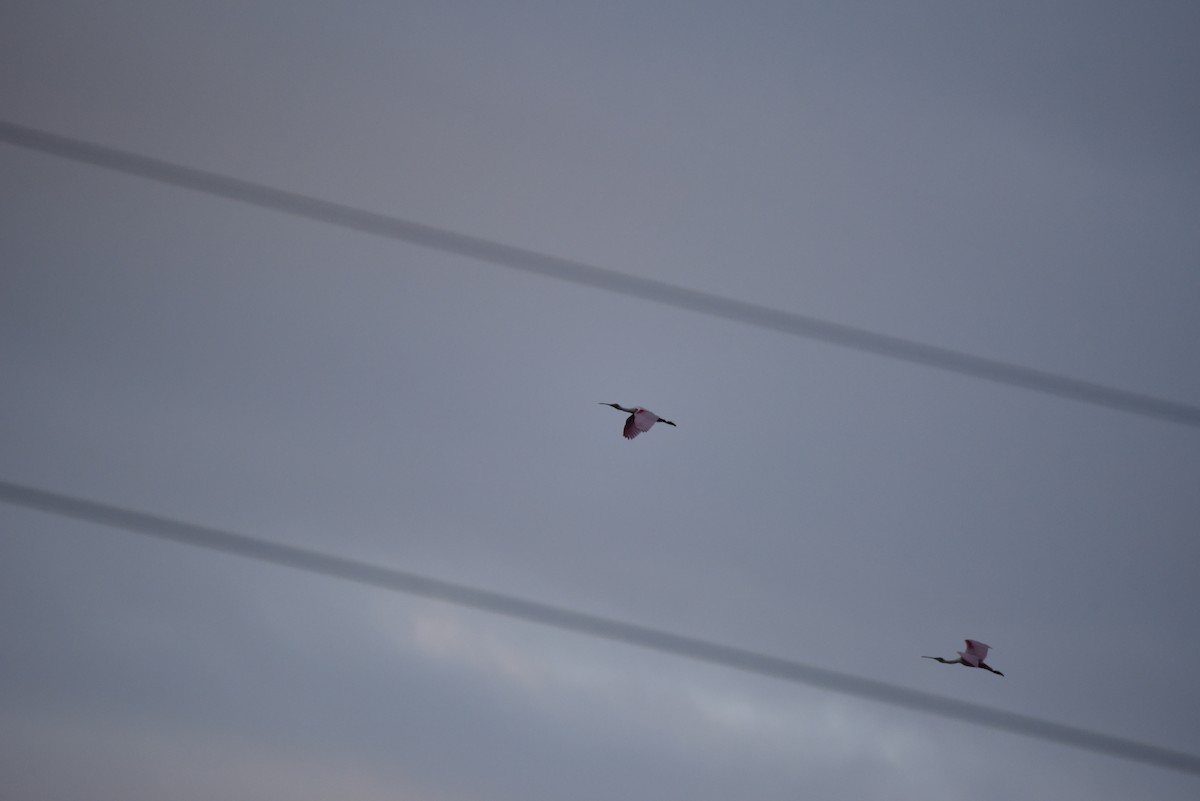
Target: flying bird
(972,657)
(639,419)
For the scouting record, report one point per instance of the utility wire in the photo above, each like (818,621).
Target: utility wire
(648,289)
(592,625)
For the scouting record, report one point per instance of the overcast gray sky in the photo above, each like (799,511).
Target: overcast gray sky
(1018,180)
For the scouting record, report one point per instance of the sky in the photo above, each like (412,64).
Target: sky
(1018,181)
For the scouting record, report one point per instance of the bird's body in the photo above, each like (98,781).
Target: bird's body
(639,420)
(972,657)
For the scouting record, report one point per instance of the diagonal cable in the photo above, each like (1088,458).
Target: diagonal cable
(592,625)
(648,289)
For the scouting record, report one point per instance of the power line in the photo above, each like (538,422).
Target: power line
(648,289)
(592,625)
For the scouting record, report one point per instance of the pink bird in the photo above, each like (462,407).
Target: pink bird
(639,420)
(972,657)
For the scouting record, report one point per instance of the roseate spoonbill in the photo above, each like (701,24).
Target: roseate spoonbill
(972,657)
(639,419)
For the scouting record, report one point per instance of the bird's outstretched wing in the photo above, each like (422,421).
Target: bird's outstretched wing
(978,649)
(631,429)
(644,420)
